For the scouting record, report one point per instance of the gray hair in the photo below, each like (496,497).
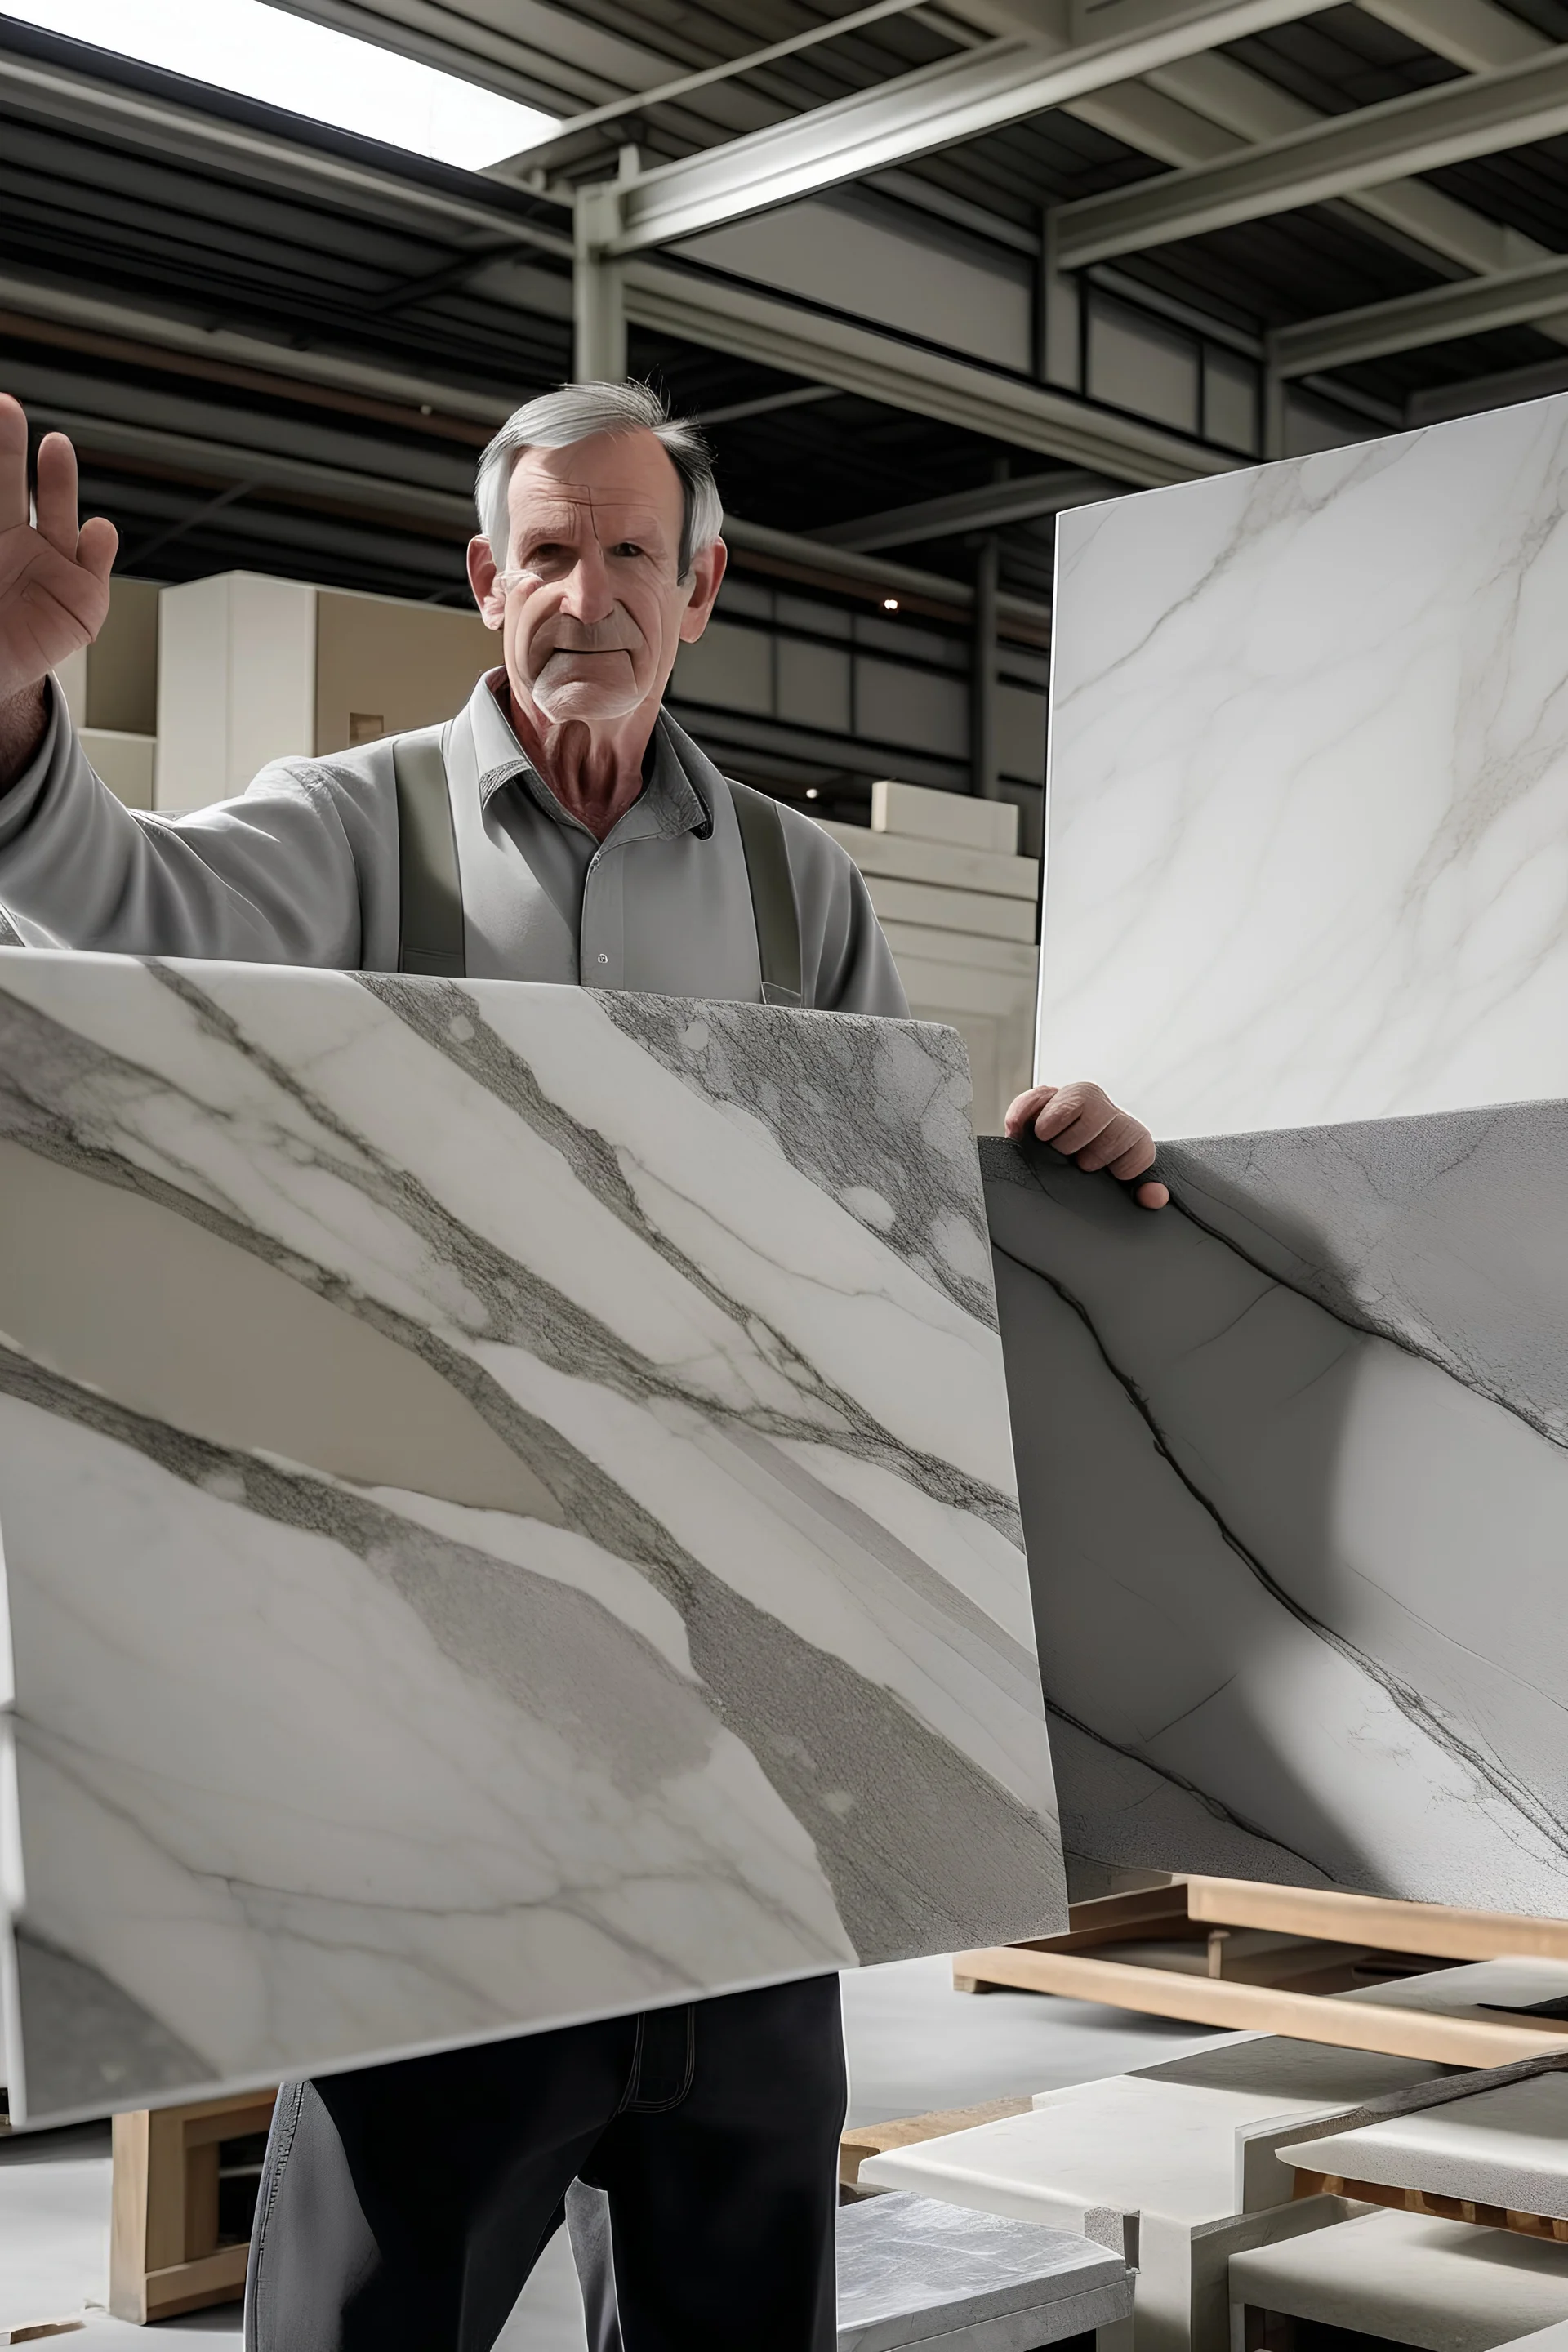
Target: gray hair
(575,411)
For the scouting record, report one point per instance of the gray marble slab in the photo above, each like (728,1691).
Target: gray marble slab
(509,1517)
(1293,1456)
(912,2270)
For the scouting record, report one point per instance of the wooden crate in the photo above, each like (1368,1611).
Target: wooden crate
(163,2250)
(1240,1953)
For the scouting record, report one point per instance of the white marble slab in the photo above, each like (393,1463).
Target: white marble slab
(1171,2167)
(1308,810)
(1445,2285)
(1295,1457)
(1180,2139)
(508,1511)
(1505,2148)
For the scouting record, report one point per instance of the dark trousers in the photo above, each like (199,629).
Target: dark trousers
(403,2207)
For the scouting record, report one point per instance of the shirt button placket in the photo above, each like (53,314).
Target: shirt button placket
(592,961)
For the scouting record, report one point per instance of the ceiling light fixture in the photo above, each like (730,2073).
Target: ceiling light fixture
(258,51)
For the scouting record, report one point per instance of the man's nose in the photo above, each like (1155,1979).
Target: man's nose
(589,596)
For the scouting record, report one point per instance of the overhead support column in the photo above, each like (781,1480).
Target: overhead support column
(983,779)
(1061,314)
(598,284)
(1273,411)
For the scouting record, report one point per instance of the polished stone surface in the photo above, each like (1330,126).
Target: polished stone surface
(1292,1461)
(1171,2167)
(1190,2139)
(1308,846)
(1506,2146)
(508,1516)
(913,2271)
(1447,2285)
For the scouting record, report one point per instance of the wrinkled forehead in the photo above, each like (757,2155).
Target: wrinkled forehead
(612,479)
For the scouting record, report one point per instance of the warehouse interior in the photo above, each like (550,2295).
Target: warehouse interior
(928,274)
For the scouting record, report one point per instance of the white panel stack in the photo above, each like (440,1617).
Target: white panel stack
(237,684)
(958,905)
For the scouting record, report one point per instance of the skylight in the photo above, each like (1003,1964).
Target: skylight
(259,51)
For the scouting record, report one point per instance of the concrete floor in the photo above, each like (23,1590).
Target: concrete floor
(913,2043)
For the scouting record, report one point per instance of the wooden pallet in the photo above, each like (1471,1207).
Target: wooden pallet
(163,2250)
(1174,1950)
(1441,2208)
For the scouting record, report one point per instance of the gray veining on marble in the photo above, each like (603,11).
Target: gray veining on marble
(1293,1457)
(1308,784)
(507,1516)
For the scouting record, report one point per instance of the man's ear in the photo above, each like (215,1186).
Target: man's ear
(709,568)
(483,579)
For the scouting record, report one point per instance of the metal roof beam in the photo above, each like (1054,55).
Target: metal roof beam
(1251,108)
(830,350)
(844,563)
(989,508)
(292,366)
(1469,33)
(894,122)
(545,151)
(219,140)
(1421,133)
(1441,314)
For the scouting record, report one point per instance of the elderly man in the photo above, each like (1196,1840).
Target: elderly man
(561,828)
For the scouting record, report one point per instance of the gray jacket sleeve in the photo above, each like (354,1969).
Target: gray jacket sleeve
(847,965)
(302,869)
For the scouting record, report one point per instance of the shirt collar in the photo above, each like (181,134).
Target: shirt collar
(672,800)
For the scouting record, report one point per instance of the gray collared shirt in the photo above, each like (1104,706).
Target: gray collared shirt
(303,868)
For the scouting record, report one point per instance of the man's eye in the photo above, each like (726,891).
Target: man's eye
(626,547)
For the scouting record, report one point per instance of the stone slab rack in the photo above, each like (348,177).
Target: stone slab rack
(1161,1951)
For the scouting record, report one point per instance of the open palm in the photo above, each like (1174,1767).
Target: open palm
(54,578)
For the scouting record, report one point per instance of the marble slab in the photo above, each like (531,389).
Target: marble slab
(1294,1457)
(1184,2139)
(1171,2167)
(1307,809)
(509,1517)
(1507,2146)
(912,2271)
(1446,2285)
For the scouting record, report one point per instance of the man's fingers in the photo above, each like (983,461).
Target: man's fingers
(1076,1136)
(1023,1109)
(13,463)
(1124,1145)
(1082,1123)
(1131,1148)
(1077,1111)
(98,546)
(57,493)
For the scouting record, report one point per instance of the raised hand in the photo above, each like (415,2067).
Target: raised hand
(54,577)
(1082,1123)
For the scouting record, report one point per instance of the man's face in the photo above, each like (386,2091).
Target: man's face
(590,606)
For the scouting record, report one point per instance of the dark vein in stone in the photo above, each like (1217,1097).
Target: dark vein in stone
(1410,1702)
(1164,1772)
(521,1310)
(935,1853)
